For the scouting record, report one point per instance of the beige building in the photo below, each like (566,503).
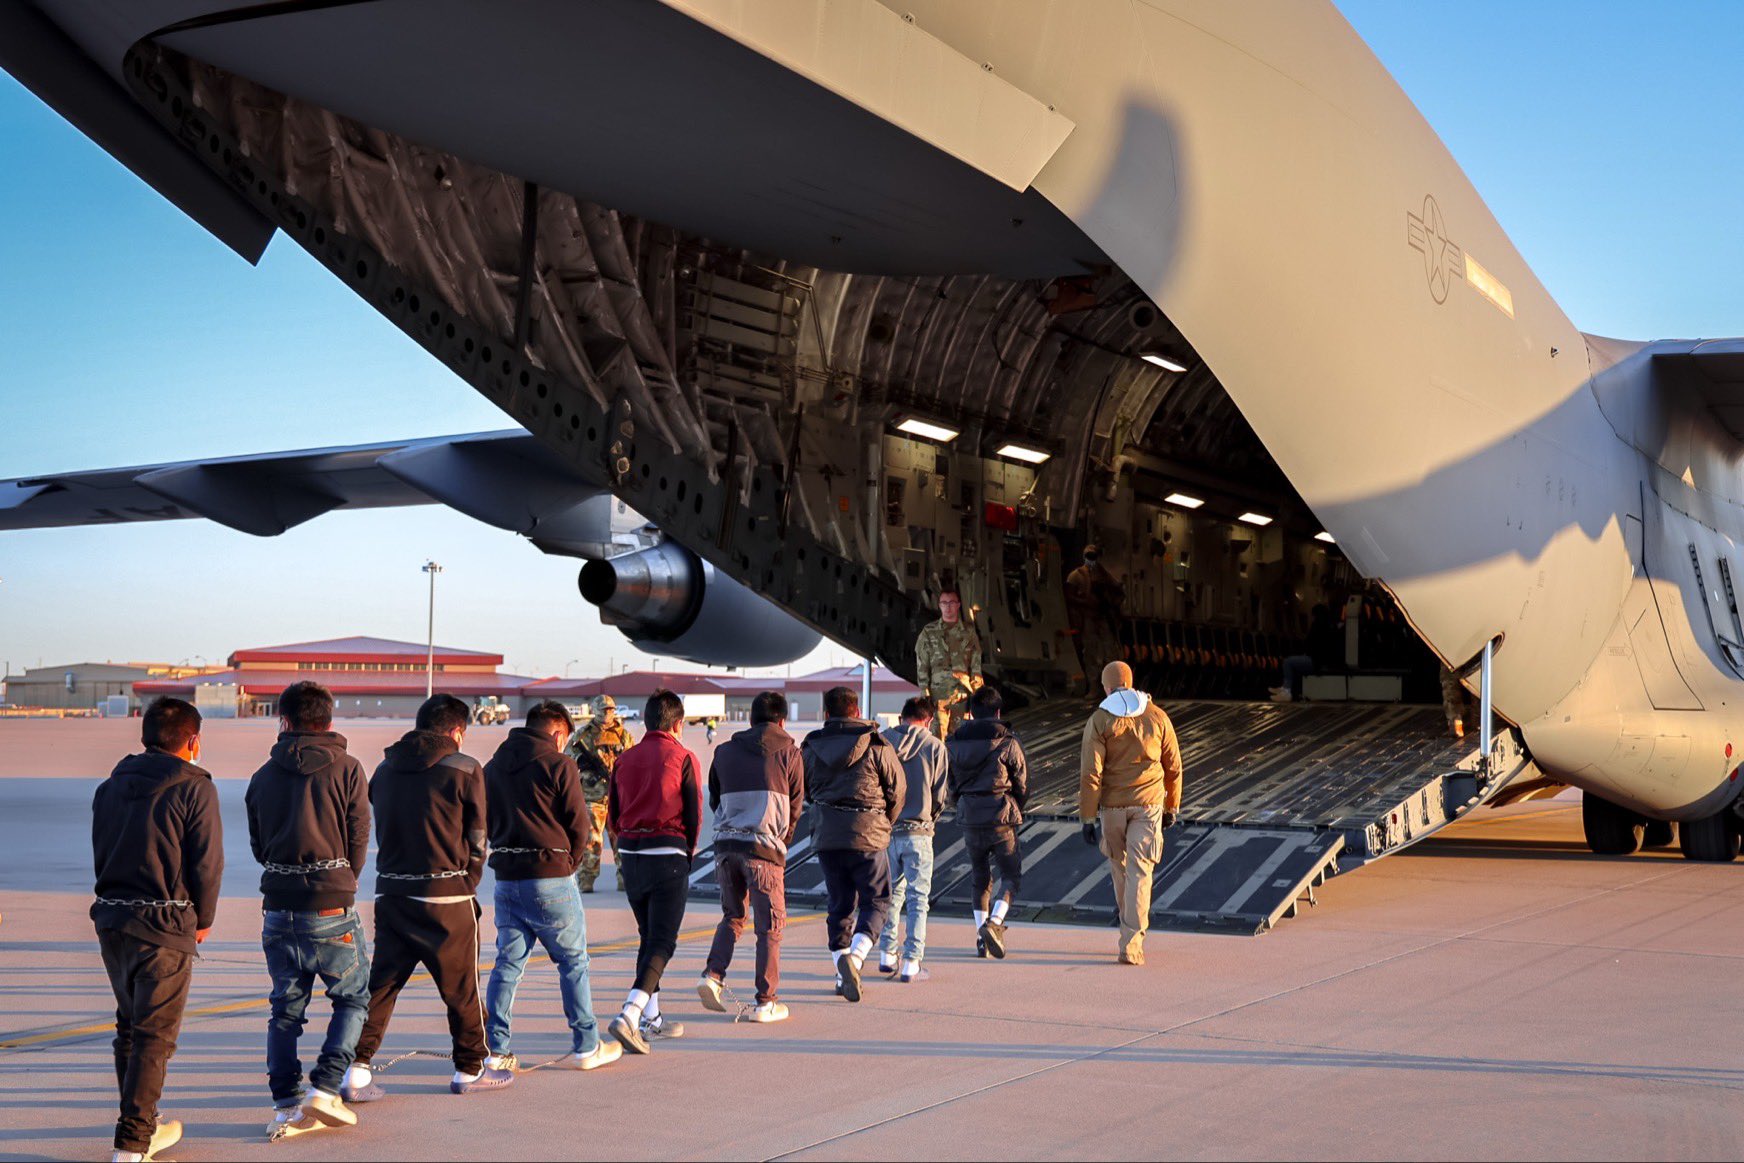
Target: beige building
(84,685)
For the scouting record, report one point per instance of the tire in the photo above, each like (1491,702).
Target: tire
(1714,839)
(1660,834)
(1611,830)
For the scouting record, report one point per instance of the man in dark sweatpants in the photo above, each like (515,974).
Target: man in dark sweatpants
(756,786)
(308,825)
(430,821)
(854,779)
(158,849)
(989,783)
(654,808)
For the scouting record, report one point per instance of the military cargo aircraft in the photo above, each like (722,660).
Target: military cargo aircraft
(853,300)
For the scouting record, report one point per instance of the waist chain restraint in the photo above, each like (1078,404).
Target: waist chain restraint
(302,869)
(418,875)
(145,904)
(523,851)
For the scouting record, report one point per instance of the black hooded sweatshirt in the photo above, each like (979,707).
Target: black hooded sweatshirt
(533,792)
(853,776)
(308,807)
(989,780)
(429,818)
(156,836)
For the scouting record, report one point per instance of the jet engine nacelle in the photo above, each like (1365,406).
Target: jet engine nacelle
(667,600)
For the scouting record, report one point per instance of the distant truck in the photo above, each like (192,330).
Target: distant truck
(701,707)
(490,711)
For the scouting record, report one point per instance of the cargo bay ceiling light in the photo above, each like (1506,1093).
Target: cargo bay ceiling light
(1163,360)
(1323,535)
(1259,519)
(929,429)
(1183,500)
(1024,453)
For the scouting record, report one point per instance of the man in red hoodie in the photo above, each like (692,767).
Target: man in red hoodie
(654,808)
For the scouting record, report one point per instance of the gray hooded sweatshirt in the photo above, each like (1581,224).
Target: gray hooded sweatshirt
(926,765)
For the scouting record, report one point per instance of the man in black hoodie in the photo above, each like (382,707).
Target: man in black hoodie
(308,825)
(540,827)
(853,778)
(158,848)
(429,804)
(989,783)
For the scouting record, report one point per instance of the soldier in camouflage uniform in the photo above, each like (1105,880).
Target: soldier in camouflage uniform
(596,748)
(948,660)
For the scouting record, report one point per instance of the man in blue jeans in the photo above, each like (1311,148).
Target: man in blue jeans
(308,824)
(925,764)
(540,827)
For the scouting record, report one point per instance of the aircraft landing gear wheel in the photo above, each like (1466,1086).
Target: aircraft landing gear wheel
(1660,834)
(1713,839)
(1611,830)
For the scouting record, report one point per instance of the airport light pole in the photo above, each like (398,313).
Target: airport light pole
(431,568)
(569,664)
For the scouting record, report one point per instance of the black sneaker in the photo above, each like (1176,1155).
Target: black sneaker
(980,946)
(848,978)
(993,935)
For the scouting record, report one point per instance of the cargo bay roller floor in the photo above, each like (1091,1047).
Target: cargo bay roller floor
(1277,798)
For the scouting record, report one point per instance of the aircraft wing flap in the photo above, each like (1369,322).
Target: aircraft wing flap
(262,494)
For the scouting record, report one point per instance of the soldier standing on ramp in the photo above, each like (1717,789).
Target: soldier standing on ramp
(596,748)
(948,660)
(1093,601)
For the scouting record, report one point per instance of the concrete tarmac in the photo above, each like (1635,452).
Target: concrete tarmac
(1494,992)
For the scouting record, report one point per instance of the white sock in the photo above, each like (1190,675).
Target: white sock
(861,946)
(886,960)
(634,1005)
(326,1093)
(651,1011)
(357,1077)
(999,909)
(463,1076)
(910,967)
(980,917)
(130,1156)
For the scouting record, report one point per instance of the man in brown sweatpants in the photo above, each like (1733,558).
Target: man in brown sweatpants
(1129,780)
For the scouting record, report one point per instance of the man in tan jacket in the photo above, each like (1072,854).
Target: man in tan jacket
(1130,779)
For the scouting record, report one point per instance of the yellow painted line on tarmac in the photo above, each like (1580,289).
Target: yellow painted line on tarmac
(23,1040)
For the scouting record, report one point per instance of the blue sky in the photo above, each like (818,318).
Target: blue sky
(1604,136)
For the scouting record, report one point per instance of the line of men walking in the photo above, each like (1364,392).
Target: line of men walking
(439,816)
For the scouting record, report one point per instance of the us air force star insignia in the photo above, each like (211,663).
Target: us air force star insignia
(1443,261)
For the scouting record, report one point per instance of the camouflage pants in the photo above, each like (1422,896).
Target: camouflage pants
(949,713)
(589,869)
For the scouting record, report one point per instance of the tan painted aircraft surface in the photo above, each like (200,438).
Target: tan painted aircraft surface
(721,256)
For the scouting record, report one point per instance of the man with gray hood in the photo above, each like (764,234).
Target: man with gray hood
(925,767)
(756,786)
(855,783)
(1129,780)
(308,825)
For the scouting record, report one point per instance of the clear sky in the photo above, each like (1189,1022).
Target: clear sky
(1605,136)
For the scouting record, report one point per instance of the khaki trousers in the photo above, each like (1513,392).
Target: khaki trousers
(1132,839)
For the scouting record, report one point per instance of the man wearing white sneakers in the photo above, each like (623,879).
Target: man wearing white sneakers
(756,786)
(540,827)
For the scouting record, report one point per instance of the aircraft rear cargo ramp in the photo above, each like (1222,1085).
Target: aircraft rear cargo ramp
(1277,797)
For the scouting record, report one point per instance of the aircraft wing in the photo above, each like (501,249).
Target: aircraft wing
(506,479)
